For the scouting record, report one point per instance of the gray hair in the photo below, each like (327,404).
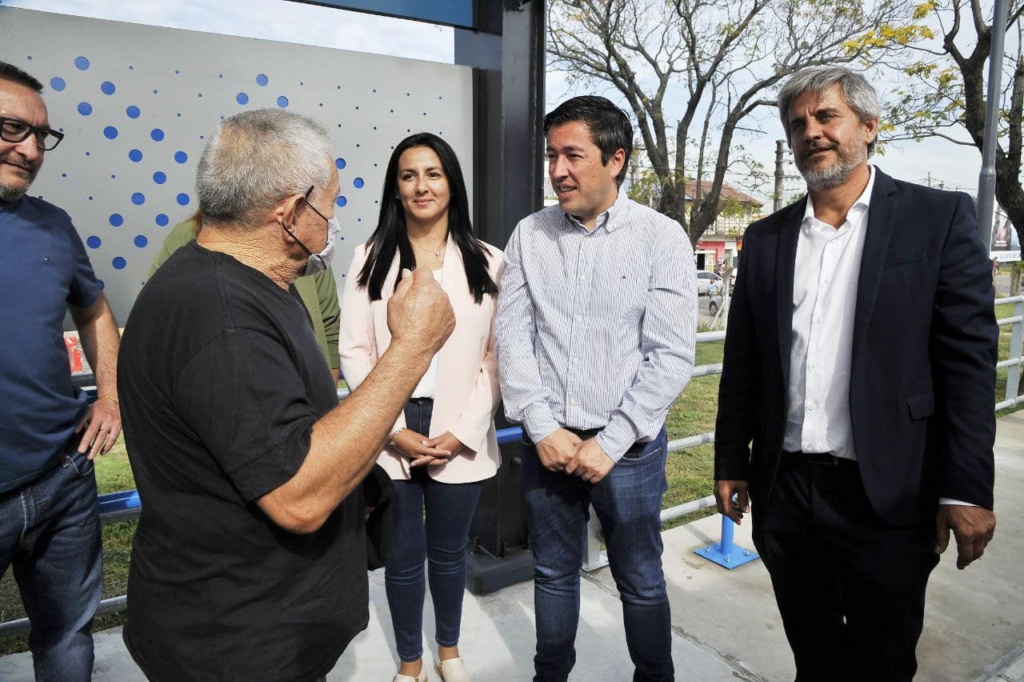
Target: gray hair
(857,91)
(257,158)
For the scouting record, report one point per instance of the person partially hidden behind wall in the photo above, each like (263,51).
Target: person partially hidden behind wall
(249,560)
(49,434)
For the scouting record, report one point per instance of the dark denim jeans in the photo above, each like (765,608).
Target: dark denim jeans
(441,541)
(628,505)
(50,534)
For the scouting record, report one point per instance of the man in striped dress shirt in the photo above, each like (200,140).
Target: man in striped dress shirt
(595,335)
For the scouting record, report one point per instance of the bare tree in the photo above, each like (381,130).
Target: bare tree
(946,92)
(717,62)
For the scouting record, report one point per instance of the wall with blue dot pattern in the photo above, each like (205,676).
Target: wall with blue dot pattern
(137,103)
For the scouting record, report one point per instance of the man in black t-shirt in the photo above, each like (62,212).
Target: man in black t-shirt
(249,562)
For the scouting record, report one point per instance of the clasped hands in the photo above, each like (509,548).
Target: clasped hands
(423,451)
(564,452)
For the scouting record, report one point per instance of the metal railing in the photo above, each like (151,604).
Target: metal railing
(125,505)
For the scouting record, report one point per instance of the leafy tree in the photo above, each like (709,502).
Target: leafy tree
(724,60)
(945,94)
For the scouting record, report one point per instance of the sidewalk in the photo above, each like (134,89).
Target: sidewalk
(725,622)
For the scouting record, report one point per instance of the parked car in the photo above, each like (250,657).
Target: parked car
(714,303)
(704,280)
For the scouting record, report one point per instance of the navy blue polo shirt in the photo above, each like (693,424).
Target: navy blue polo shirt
(43,268)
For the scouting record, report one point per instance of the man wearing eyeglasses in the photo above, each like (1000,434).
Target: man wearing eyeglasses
(49,434)
(249,560)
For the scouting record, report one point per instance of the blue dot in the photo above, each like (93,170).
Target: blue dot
(358,183)
(162,220)
(159,177)
(341,201)
(135,155)
(81,63)
(157,134)
(107,88)
(242,98)
(262,80)
(183,199)
(119,263)
(141,241)
(138,198)
(93,242)
(180,157)
(132,111)
(110,132)
(84,108)
(282,102)
(339,162)
(116,219)
(57,83)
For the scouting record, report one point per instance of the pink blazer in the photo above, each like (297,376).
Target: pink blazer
(466,393)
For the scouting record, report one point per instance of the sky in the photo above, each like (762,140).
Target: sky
(935,161)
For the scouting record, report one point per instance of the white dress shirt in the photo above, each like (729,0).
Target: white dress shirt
(824,300)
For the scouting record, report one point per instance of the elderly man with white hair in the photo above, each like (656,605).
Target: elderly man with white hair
(249,562)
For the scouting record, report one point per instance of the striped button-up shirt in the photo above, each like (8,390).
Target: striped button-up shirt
(596,329)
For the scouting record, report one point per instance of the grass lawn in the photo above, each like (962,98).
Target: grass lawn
(689,477)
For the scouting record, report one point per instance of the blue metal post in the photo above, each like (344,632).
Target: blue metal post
(725,553)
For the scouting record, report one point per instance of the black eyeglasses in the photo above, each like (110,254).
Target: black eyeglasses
(306,199)
(16,130)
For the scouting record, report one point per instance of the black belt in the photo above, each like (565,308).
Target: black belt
(421,401)
(817,459)
(585,434)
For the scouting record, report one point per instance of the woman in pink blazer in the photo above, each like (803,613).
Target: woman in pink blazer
(444,444)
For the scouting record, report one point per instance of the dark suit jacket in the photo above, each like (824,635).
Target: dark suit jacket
(922,383)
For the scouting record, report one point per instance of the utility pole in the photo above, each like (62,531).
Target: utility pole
(780,152)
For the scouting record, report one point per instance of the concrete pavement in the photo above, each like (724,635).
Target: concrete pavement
(725,623)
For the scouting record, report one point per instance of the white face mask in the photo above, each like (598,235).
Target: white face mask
(318,262)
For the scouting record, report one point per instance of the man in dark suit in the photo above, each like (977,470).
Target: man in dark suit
(860,364)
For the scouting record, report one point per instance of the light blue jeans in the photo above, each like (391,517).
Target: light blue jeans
(50,534)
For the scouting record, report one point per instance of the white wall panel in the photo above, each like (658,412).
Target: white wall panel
(138,102)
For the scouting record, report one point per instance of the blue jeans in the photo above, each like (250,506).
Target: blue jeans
(628,505)
(50,533)
(441,541)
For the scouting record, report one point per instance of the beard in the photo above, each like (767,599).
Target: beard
(10,192)
(837,173)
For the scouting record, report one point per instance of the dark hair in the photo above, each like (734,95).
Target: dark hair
(609,126)
(10,72)
(391,235)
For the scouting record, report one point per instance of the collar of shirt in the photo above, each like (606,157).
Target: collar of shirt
(858,210)
(609,219)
